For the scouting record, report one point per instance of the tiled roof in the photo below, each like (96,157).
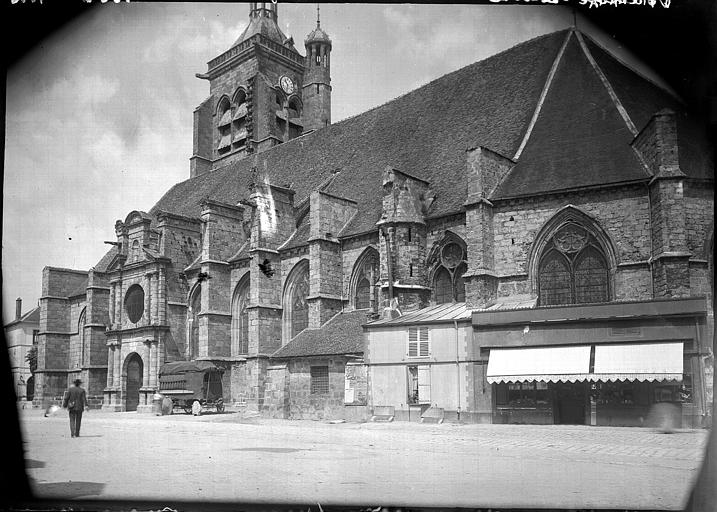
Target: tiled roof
(32,317)
(340,335)
(80,289)
(104,263)
(437,313)
(425,133)
(580,139)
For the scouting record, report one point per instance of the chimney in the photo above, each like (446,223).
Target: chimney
(18,308)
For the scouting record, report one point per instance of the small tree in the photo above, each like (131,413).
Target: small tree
(31,357)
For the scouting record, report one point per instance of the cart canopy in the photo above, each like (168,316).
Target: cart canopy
(180,367)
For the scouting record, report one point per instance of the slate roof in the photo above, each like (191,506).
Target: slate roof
(424,132)
(579,139)
(438,313)
(32,316)
(264,26)
(340,335)
(104,263)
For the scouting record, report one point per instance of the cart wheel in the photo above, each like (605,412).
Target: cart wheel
(220,407)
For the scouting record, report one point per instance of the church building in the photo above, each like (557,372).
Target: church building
(549,187)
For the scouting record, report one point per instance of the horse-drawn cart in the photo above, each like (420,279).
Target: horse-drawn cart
(187,382)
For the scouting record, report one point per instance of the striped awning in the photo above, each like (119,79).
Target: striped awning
(545,364)
(638,361)
(613,362)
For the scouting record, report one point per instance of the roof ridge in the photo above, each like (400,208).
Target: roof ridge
(662,86)
(543,94)
(624,114)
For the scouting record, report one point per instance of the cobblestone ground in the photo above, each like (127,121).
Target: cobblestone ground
(228,458)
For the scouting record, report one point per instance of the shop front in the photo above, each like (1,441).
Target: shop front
(643,365)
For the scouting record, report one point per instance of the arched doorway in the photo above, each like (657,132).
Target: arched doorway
(30,394)
(134,381)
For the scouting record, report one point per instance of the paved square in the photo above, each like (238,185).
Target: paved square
(229,459)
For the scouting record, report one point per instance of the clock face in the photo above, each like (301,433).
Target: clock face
(286,84)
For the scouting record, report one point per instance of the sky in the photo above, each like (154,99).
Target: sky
(99,115)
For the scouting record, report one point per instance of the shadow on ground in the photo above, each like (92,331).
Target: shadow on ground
(32,464)
(68,489)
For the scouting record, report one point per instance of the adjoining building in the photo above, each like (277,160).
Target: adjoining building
(536,182)
(20,338)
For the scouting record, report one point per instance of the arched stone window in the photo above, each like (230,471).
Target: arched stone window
(239,130)
(78,346)
(224,126)
(448,261)
(573,268)
(296,306)
(363,294)
(296,127)
(195,308)
(240,318)
(363,280)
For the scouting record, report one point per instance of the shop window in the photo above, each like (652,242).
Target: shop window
(319,380)
(418,342)
(522,394)
(573,269)
(419,384)
(134,303)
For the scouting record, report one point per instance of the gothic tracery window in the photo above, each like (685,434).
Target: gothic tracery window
(240,318)
(194,309)
(573,269)
(296,306)
(365,276)
(448,284)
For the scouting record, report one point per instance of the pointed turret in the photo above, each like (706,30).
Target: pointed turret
(317,78)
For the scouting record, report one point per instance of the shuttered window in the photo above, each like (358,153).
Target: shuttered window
(419,384)
(418,342)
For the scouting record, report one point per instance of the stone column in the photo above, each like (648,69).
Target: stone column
(146,284)
(154,362)
(113,287)
(117,378)
(118,303)
(162,304)
(147,356)
(110,365)
(155,298)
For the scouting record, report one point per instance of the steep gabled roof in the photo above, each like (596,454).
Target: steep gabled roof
(425,133)
(340,335)
(581,138)
(31,317)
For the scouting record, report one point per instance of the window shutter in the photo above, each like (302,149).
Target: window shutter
(412,342)
(424,383)
(423,342)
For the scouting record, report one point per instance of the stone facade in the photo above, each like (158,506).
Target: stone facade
(313,241)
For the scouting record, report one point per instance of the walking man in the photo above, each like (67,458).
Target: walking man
(75,402)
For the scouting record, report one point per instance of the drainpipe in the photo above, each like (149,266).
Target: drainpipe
(458,372)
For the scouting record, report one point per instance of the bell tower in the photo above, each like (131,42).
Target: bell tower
(255,94)
(316,92)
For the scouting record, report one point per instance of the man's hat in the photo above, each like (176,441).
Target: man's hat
(77,382)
